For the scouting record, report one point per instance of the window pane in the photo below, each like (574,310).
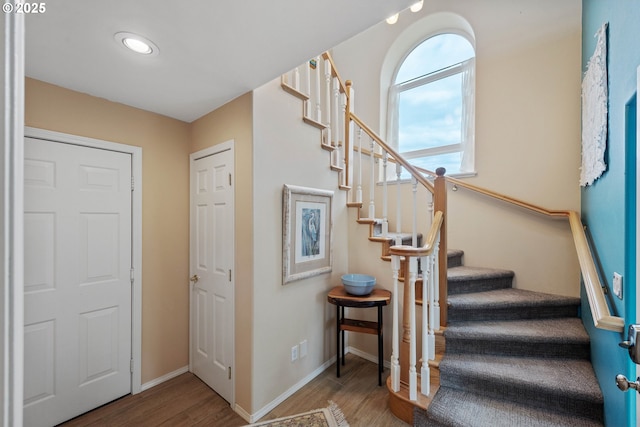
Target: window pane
(430,115)
(434,54)
(450,161)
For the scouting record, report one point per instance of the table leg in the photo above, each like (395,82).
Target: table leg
(380,347)
(338,341)
(342,352)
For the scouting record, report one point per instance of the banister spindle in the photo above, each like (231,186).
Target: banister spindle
(398,205)
(413,374)
(414,226)
(425,379)
(372,183)
(395,339)
(296,78)
(385,220)
(359,190)
(328,103)
(318,96)
(343,153)
(435,320)
(307,74)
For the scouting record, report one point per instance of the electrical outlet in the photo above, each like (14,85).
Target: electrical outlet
(294,353)
(304,348)
(617,285)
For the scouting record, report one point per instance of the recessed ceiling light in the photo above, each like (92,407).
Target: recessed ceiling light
(137,43)
(392,19)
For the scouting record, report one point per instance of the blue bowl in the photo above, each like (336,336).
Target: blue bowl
(358,284)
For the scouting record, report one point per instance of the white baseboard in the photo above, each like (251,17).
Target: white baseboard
(166,377)
(368,356)
(252,418)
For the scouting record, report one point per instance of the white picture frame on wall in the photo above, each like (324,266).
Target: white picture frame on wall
(307,227)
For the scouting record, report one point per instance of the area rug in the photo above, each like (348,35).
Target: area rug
(331,416)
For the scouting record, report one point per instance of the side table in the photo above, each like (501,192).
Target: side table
(341,299)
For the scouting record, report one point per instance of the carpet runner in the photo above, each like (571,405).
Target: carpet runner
(512,357)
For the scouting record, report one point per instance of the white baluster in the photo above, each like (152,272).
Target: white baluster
(372,184)
(342,127)
(395,339)
(385,220)
(359,191)
(296,78)
(337,124)
(398,205)
(414,228)
(328,104)
(413,374)
(435,322)
(307,103)
(425,374)
(318,97)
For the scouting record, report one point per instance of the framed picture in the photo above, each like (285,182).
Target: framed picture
(307,228)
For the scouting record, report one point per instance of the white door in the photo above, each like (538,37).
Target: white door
(77,225)
(212,256)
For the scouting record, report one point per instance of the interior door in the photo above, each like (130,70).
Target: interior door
(211,259)
(77,332)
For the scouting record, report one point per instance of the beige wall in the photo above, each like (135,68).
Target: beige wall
(233,121)
(165,209)
(287,151)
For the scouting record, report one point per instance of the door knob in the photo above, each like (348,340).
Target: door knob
(194,279)
(631,343)
(624,384)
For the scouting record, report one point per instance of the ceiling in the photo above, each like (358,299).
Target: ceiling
(211,51)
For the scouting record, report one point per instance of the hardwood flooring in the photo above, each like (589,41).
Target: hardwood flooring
(187,401)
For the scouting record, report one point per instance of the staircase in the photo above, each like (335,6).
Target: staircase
(512,358)
(507,357)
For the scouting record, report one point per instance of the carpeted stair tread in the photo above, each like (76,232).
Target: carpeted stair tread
(550,338)
(463,279)
(463,409)
(510,304)
(564,385)
(454,257)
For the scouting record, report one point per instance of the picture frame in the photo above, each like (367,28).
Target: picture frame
(307,229)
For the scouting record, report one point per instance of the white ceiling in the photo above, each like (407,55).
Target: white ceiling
(211,51)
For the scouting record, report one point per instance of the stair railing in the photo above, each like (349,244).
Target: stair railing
(602,317)
(408,262)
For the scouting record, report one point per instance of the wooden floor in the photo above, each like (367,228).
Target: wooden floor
(186,401)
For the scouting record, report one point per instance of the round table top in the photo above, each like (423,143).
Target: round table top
(378,296)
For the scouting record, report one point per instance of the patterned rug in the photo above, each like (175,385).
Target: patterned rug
(324,417)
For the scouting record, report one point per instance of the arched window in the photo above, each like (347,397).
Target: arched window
(431,105)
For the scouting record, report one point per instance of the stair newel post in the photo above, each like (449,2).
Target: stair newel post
(372,183)
(413,374)
(427,346)
(359,191)
(398,205)
(385,220)
(414,225)
(395,339)
(440,204)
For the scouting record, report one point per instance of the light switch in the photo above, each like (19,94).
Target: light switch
(617,285)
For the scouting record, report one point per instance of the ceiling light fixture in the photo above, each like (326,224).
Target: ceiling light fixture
(137,43)
(416,7)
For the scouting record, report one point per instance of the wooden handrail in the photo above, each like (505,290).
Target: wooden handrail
(427,249)
(334,73)
(399,159)
(602,317)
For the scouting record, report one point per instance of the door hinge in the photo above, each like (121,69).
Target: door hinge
(131,365)
(132,184)
(131,275)
(229,274)
(229,179)
(229,372)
